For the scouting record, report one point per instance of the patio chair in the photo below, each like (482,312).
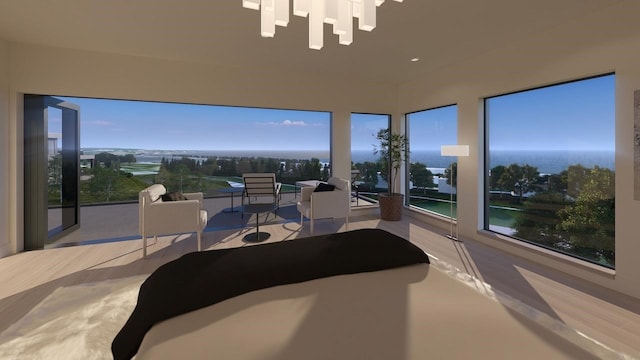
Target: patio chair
(261,189)
(334,203)
(159,217)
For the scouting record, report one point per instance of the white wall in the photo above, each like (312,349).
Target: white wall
(55,71)
(596,44)
(48,70)
(5,247)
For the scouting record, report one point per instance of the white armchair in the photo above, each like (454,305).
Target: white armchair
(157,217)
(326,204)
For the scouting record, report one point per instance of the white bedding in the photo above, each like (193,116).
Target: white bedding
(414,312)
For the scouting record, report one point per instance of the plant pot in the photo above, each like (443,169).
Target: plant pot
(391,206)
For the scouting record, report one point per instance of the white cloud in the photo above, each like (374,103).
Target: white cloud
(98,123)
(293,123)
(285,123)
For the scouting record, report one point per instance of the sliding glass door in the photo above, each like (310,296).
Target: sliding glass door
(51,169)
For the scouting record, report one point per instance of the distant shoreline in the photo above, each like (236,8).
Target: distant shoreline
(547,161)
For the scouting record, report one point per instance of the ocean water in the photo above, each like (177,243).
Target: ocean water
(154,156)
(547,162)
(553,162)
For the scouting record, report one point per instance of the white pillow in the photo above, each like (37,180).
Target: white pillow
(156,191)
(337,182)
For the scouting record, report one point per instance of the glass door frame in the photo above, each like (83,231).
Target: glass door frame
(36,172)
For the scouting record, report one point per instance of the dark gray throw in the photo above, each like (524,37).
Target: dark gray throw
(200,279)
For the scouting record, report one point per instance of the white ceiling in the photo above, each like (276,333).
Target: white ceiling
(439,32)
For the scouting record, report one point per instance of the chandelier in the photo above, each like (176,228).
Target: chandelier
(339,13)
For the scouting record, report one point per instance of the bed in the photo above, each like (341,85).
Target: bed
(362,294)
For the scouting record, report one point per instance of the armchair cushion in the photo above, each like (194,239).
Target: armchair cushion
(204,219)
(154,192)
(324,187)
(173,196)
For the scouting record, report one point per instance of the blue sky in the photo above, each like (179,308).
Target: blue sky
(364,128)
(430,129)
(166,126)
(570,116)
(577,116)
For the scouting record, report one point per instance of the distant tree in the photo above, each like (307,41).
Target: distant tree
(574,178)
(227,167)
(369,172)
(557,183)
(106,159)
(54,168)
(200,184)
(584,227)
(382,165)
(272,166)
(449,174)
(209,168)
(495,174)
(312,169)
(325,172)
(128,158)
(244,166)
(181,176)
(103,183)
(421,176)
(163,174)
(590,221)
(538,219)
(518,178)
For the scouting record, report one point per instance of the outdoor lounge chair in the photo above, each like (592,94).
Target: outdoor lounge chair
(259,189)
(158,217)
(335,203)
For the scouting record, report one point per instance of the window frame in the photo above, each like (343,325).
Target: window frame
(487,167)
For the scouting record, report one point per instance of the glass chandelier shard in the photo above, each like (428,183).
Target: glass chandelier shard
(339,13)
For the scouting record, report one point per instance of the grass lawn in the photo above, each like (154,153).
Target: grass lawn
(497,216)
(439,207)
(502,217)
(137,168)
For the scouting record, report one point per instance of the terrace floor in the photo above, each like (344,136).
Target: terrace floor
(115,222)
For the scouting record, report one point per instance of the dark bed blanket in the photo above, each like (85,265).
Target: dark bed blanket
(200,279)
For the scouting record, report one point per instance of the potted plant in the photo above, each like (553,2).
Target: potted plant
(394,150)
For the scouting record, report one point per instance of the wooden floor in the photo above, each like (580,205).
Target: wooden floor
(610,318)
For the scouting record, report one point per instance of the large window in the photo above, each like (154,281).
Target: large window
(430,187)
(367,176)
(550,167)
(127,145)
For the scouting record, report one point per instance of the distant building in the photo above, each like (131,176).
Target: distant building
(87,161)
(443,187)
(52,143)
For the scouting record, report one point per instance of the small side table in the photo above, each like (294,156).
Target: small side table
(232,191)
(258,209)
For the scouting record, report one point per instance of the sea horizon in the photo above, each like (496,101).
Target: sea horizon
(547,161)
